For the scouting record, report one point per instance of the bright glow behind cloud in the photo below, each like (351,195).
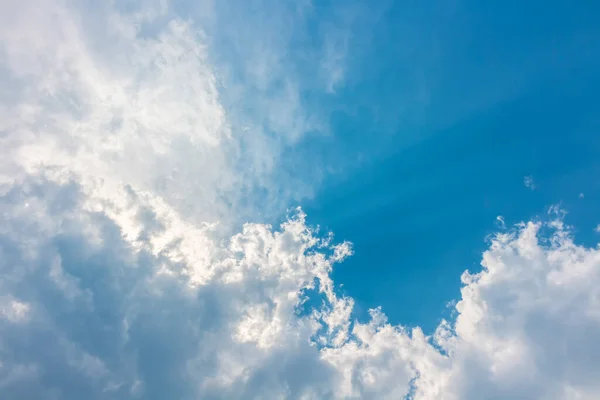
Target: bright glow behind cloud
(118,160)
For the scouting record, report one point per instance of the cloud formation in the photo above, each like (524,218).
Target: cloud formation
(529,183)
(172,311)
(143,96)
(121,163)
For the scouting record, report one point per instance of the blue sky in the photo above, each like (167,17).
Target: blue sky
(449,188)
(299,199)
(450,107)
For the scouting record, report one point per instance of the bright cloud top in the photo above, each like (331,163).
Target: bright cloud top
(118,160)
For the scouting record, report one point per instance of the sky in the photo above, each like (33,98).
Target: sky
(299,199)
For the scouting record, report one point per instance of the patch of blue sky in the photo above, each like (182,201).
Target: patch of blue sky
(439,121)
(420,122)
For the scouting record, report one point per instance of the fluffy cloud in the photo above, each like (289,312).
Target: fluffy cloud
(526,324)
(120,167)
(124,317)
(90,310)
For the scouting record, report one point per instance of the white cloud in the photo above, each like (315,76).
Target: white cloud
(526,323)
(119,313)
(119,157)
(529,183)
(132,97)
(501,221)
(13,310)
(333,60)
(126,316)
(117,108)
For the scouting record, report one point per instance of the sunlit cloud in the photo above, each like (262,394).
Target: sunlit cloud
(133,162)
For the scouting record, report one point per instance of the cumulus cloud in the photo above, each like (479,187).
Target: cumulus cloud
(125,318)
(525,323)
(122,160)
(157,314)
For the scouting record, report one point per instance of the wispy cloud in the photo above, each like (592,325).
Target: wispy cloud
(195,113)
(333,60)
(529,183)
